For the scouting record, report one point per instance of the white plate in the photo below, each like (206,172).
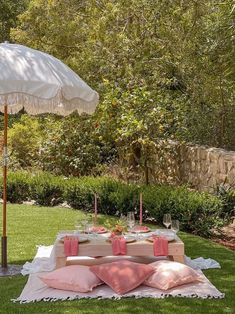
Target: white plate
(168,236)
(128,239)
(81,239)
(140,231)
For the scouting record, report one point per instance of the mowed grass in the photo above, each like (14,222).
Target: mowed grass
(29,226)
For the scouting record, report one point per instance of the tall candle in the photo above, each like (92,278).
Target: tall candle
(141,208)
(95,209)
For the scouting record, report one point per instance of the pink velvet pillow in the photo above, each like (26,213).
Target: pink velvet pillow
(74,278)
(122,276)
(171,274)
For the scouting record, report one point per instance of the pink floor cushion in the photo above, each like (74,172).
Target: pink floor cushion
(122,276)
(171,274)
(73,278)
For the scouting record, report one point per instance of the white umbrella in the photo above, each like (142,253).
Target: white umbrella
(40,83)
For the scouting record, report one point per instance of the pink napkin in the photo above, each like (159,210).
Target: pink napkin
(118,245)
(160,246)
(71,246)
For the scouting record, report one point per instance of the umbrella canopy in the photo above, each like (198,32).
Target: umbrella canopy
(41,83)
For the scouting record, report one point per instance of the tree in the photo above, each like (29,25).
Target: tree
(9,10)
(25,138)
(164,69)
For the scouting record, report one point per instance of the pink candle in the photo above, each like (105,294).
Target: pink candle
(95,209)
(141,208)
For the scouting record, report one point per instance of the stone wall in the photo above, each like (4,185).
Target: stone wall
(200,167)
(206,168)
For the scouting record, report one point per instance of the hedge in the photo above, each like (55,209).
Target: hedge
(198,212)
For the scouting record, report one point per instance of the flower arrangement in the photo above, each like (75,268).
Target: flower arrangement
(116,227)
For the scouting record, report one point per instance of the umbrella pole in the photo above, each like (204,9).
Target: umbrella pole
(4,216)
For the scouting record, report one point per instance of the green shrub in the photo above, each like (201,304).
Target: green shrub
(18,186)
(123,199)
(25,138)
(46,189)
(227,196)
(198,213)
(80,192)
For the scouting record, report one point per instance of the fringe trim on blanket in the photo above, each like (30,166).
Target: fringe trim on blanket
(161,296)
(58,104)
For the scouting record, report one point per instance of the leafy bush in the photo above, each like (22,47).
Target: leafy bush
(80,192)
(47,189)
(18,186)
(227,196)
(69,147)
(198,213)
(25,139)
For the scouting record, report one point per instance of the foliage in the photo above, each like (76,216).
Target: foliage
(18,186)
(64,146)
(227,196)
(47,189)
(172,62)
(25,138)
(9,9)
(198,212)
(139,128)
(69,147)
(80,192)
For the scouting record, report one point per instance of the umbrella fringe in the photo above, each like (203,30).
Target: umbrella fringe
(35,105)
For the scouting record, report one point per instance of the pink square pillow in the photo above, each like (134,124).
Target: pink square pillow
(74,278)
(122,276)
(171,274)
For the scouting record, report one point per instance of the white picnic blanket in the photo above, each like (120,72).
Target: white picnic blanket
(36,290)
(44,261)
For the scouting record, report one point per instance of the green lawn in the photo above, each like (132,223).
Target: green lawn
(29,226)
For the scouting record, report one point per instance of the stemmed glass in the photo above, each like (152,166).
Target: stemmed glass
(81,225)
(123,220)
(78,226)
(131,220)
(89,227)
(175,226)
(167,220)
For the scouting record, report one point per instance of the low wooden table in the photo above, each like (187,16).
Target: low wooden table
(101,248)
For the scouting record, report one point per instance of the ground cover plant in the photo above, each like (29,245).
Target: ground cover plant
(33,225)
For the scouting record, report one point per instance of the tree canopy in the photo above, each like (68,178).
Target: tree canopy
(164,69)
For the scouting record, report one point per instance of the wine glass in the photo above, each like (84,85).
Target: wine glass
(78,225)
(89,227)
(123,221)
(131,220)
(167,220)
(175,225)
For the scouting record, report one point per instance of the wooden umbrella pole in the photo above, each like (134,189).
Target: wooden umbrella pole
(4,216)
